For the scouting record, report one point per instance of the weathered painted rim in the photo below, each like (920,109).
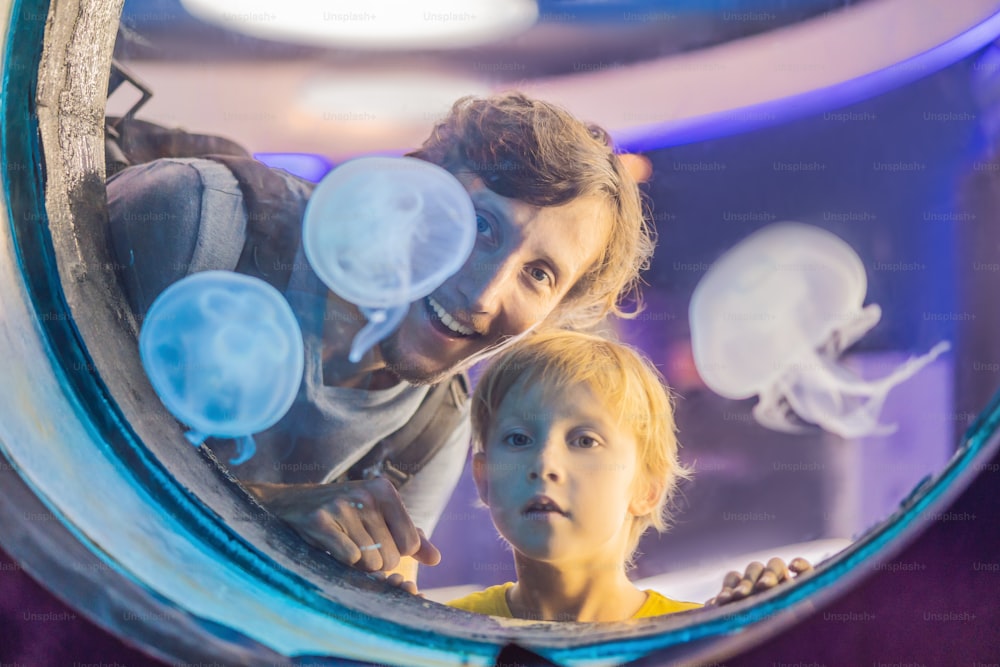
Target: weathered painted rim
(171,631)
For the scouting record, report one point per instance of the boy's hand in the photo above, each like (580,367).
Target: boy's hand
(363,523)
(757,578)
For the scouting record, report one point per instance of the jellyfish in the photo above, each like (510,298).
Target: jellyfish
(224,353)
(771,318)
(383,232)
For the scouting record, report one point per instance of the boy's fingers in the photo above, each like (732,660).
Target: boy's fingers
(778,567)
(732,579)
(775,573)
(753,572)
(750,578)
(767,580)
(800,565)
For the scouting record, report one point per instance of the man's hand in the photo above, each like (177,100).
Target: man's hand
(361,523)
(758,578)
(398,580)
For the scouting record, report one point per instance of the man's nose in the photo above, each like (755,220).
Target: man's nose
(485,282)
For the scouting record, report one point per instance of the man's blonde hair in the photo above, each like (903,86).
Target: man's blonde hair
(632,388)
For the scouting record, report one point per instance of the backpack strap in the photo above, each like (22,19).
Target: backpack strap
(274,219)
(402,454)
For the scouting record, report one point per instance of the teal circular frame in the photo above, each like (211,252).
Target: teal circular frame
(705,635)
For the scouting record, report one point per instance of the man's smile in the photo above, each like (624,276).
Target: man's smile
(445,322)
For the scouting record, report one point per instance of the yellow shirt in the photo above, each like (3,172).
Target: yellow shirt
(493,601)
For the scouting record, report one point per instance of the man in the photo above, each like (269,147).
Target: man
(561,239)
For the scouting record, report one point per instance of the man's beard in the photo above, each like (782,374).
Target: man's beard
(392,356)
(411,373)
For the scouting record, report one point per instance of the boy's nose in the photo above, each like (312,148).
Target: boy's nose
(546,465)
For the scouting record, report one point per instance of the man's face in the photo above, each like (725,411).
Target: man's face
(524,262)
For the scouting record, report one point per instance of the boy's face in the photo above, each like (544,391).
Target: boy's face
(557,475)
(524,262)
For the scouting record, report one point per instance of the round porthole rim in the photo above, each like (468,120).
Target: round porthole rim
(933,493)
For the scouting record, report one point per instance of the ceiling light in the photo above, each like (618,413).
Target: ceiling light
(371,24)
(388,97)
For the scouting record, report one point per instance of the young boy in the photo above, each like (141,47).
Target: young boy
(575,456)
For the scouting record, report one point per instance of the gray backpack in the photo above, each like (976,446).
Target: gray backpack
(270,223)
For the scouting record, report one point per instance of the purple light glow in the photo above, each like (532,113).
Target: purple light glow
(783,110)
(309,166)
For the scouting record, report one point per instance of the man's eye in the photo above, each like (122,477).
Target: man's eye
(518,440)
(539,275)
(482,224)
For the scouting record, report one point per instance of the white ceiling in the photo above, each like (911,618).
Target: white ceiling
(342,107)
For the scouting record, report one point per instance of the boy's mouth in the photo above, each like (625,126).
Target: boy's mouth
(541,507)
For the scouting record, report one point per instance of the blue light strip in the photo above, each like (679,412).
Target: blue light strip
(783,110)
(310,166)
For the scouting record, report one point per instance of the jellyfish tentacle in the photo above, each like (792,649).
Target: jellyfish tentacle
(814,394)
(380,324)
(246,447)
(913,365)
(195,437)
(773,411)
(817,392)
(858,324)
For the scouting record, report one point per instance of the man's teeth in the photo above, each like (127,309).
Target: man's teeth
(448,320)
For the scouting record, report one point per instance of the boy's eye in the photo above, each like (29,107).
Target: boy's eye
(517,440)
(586,442)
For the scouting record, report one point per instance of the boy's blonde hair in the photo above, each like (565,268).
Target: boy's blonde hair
(622,376)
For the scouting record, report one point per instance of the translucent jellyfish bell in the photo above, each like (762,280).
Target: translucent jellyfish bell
(771,317)
(383,232)
(225,354)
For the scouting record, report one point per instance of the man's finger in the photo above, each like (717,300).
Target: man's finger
(382,539)
(394,515)
(426,553)
(397,580)
(354,530)
(328,535)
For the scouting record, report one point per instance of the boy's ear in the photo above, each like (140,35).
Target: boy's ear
(479,475)
(646,497)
